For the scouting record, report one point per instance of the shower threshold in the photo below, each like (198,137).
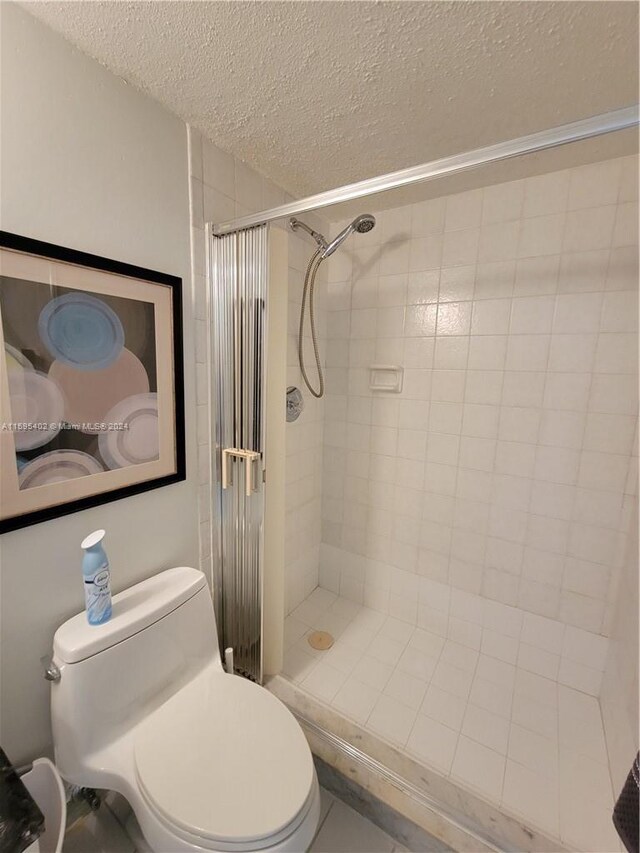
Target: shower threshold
(511,757)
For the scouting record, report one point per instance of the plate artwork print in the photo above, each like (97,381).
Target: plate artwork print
(21,462)
(16,360)
(88,348)
(140,441)
(56,467)
(81,331)
(90,395)
(37,408)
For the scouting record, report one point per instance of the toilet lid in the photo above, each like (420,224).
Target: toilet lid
(224,760)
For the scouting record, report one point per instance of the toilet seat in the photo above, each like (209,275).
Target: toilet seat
(225,765)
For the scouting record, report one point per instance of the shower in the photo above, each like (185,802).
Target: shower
(361,224)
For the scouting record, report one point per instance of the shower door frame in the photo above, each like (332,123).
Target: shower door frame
(238,285)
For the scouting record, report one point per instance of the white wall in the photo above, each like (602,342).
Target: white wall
(500,470)
(89,163)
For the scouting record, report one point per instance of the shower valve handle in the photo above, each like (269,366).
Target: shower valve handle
(249,456)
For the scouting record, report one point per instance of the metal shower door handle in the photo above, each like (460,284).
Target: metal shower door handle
(249,456)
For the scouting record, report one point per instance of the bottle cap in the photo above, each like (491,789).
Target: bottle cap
(92,539)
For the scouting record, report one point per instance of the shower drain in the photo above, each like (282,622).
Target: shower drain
(320,640)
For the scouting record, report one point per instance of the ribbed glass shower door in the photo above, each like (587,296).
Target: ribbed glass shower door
(238,326)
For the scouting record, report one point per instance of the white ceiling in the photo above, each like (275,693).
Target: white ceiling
(319,94)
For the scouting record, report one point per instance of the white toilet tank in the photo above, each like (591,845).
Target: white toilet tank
(161,635)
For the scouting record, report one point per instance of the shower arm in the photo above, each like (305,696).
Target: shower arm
(320,240)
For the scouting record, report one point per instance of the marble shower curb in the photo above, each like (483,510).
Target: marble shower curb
(459,819)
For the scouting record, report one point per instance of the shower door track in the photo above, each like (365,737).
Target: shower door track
(564,134)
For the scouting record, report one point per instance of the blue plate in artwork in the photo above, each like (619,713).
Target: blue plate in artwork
(81,331)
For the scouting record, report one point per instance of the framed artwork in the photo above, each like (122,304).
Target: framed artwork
(91,381)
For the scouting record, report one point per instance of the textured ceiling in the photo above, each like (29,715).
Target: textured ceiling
(318,94)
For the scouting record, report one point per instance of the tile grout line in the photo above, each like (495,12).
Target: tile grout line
(324,819)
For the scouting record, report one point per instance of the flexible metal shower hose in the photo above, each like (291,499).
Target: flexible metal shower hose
(309,284)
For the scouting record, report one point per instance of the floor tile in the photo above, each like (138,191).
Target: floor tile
(346,831)
(307,612)
(587,825)
(496,671)
(326,801)
(452,679)
(385,649)
(536,687)
(406,689)
(531,796)
(443,707)
(499,646)
(586,778)
(391,719)
(297,664)
(538,661)
(426,642)
(580,724)
(417,663)
(433,742)
(368,618)
(356,699)
(330,621)
(534,716)
(458,655)
(575,707)
(585,741)
(487,728)
(372,671)
(345,607)
(534,751)
(492,697)
(358,636)
(324,681)
(342,657)
(361,630)
(396,629)
(480,767)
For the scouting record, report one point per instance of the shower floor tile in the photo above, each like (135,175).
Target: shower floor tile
(521,741)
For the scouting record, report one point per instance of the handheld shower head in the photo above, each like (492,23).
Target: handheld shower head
(363,223)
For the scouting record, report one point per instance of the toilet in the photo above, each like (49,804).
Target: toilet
(207,760)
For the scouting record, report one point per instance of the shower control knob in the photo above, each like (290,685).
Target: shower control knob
(295,403)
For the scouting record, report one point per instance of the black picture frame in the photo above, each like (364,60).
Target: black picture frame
(64,254)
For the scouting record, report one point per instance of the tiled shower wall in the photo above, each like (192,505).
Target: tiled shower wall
(222,188)
(500,471)
(304,436)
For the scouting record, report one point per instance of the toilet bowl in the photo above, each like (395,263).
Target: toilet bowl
(207,760)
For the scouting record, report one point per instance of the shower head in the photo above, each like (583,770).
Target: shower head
(361,224)
(364,223)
